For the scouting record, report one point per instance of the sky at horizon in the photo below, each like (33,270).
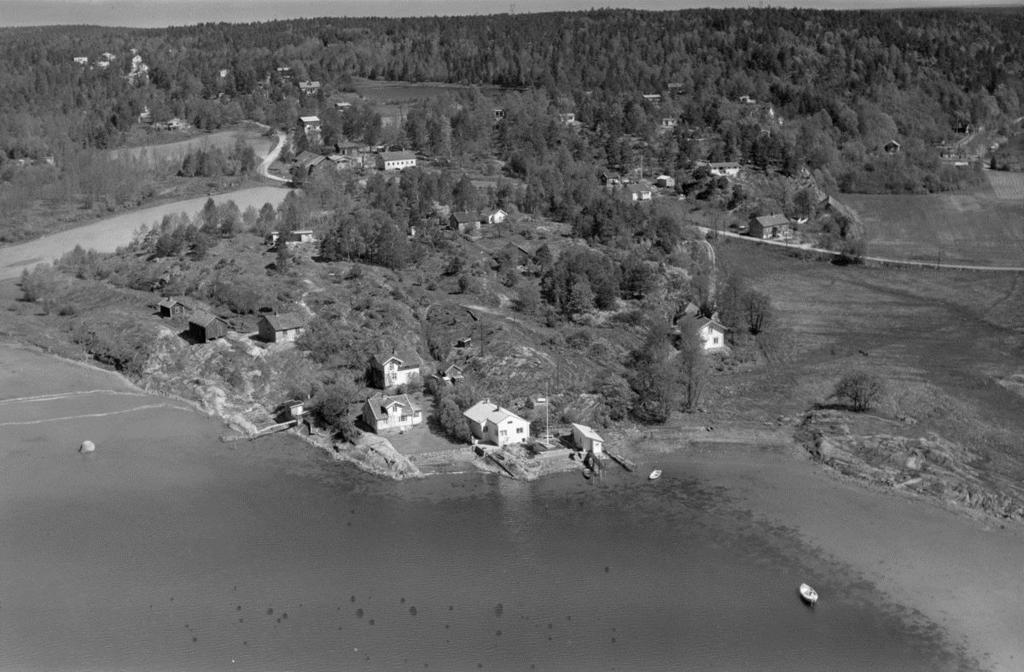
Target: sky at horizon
(162,13)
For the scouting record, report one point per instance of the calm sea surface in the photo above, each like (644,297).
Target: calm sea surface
(169,550)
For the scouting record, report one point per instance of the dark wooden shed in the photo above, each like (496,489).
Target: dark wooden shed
(204,327)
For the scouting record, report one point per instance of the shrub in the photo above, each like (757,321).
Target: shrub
(859,389)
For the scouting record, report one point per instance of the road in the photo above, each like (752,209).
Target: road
(264,169)
(108,234)
(883,261)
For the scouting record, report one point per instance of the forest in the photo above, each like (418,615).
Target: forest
(861,77)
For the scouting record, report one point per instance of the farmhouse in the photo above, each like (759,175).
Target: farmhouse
(308,161)
(170,307)
(466,223)
(652,97)
(494,424)
(567,118)
(283,328)
(204,327)
(665,181)
(708,329)
(769,226)
(497,216)
(309,87)
(389,370)
(310,126)
(81,60)
(396,160)
(587,440)
(383,413)
(640,191)
(724,169)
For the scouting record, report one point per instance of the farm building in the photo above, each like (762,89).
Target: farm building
(309,87)
(587,440)
(496,216)
(710,332)
(310,126)
(494,424)
(611,179)
(640,191)
(466,223)
(204,327)
(392,369)
(724,169)
(769,226)
(396,160)
(665,181)
(282,328)
(173,307)
(383,413)
(892,147)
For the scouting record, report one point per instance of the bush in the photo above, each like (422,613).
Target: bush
(859,389)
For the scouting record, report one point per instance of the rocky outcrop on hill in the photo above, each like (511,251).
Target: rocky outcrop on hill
(929,465)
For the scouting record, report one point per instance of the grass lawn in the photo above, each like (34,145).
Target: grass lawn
(969,227)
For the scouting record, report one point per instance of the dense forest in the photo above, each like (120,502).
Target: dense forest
(837,85)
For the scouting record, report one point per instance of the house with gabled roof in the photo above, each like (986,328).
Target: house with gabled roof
(281,328)
(724,168)
(204,327)
(466,223)
(639,191)
(587,440)
(171,307)
(396,160)
(496,425)
(383,413)
(394,368)
(708,329)
(769,226)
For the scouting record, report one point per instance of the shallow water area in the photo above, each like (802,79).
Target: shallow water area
(168,549)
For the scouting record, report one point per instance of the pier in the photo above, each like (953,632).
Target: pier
(624,462)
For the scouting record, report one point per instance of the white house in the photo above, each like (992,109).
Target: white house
(639,191)
(710,332)
(394,369)
(494,424)
(587,440)
(310,125)
(383,413)
(724,168)
(396,160)
(497,216)
(81,60)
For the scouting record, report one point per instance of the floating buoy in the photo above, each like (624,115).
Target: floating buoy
(87,447)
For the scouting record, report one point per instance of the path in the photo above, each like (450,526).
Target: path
(108,234)
(264,168)
(884,261)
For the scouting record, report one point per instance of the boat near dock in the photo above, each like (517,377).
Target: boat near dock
(654,475)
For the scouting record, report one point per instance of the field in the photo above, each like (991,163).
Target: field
(225,140)
(980,226)
(1006,185)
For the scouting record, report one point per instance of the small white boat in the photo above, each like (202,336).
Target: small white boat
(808,594)
(655,474)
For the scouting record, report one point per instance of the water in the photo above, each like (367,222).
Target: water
(169,550)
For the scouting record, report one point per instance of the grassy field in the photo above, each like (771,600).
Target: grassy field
(175,151)
(1006,185)
(950,346)
(979,226)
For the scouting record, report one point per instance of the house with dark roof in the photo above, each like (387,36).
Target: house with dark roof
(708,329)
(396,160)
(496,425)
(281,328)
(383,413)
(204,327)
(466,223)
(394,368)
(171,307)
(638,191)
(769,226)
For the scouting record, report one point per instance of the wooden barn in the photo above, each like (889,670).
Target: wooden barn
(204,327)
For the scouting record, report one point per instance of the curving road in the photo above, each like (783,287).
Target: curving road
(264,168)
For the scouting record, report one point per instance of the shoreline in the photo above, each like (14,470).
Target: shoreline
(959,572)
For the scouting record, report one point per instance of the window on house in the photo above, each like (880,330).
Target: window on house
(519,430)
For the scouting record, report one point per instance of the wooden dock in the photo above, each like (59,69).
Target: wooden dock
(624,462)
(503,464)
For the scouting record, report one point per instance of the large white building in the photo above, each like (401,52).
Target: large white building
(493,424)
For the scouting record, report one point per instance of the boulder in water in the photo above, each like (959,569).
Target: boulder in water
(87,447)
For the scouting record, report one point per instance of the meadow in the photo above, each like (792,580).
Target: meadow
(158,154)
(983,226)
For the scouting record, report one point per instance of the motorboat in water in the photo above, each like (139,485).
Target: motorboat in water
(808,594)
(655,474)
